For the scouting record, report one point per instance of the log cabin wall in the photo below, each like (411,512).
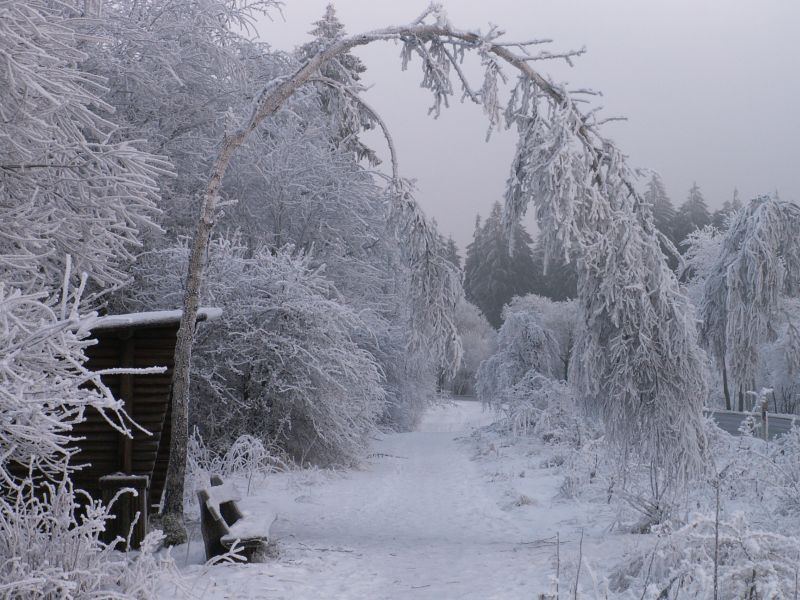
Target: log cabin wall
(147,399)
(138,340)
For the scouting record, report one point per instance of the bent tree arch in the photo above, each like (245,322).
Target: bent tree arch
(638,357)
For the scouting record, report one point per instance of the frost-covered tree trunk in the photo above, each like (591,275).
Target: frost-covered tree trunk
(172,513)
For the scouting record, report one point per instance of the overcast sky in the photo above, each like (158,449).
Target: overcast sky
(710,89)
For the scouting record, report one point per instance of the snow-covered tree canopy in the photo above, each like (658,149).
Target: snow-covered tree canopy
(282,364)
(757,266)
(69,183)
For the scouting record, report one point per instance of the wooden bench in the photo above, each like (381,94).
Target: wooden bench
(222,523)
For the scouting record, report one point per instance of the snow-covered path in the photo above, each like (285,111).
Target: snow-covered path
(422,520)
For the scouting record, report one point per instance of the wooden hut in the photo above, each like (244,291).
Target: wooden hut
(112,460)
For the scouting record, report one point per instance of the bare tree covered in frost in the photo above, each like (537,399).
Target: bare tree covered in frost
(648,379)
(66,189)
(703,247)
(758,265)
(178,73)
(69,184)
(780,360)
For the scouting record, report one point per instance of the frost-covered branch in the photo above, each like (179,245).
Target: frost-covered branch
(68,184)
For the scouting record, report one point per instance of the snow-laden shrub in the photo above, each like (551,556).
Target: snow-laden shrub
(780,469)
(51,550)
(44,387)
(477,338)
(521,379)
(523,345)
(560,318)
(248,457)
(543,407)
(282,364)
(588,471)
(730,555)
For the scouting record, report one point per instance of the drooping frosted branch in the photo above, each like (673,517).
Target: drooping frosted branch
(758,265)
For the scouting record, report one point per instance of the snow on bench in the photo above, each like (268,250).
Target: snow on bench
(223,524)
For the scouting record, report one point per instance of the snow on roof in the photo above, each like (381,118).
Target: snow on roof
(145,319)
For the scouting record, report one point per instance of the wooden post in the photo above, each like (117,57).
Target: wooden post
(126,395)
(129,511)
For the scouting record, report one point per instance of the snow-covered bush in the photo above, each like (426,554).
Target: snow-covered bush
(544,407)
(248,457)
(708,559)
(560,318)
(523,345)
(477,338)
(43,384)
(51,549)
(778,464)
(281,365)
(521,379)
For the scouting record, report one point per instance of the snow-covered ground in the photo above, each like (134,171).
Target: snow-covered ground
(434,514)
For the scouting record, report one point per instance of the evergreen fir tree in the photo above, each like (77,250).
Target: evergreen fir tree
(720,217)
(492,275)
(692,215)
(664,216)
(347,70)
(663,211)
(452,255)
(559,281)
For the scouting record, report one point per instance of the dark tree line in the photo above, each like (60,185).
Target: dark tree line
(493,275)
(693,214)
